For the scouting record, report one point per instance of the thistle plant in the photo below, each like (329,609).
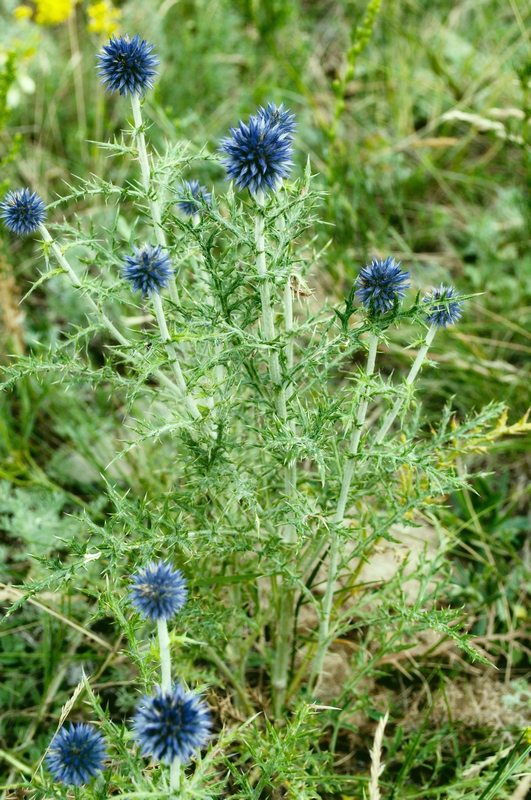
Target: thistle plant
(270,457)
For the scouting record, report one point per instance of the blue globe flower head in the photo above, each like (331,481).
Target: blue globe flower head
(447,312)
(22,211)
(158,591)
(172,724)
(258,155)
(278,116)
(190,196)
(148,270)
(76,755)
(127,66)
(379,283)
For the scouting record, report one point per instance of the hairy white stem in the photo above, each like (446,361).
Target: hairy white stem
(333,557)
(413,372)
(356,435)
(289,533)
(130,355)
(146,182)
(173,357)
(165,657)
(203,277)
(267,311)
(175,775)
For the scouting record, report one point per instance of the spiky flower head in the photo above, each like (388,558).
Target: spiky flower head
(172,724)
(158,591)
(278,116)
(22,211)
(258,155)
(148,270)
(127,66)
(190,195)
(380,282)
(76,755)
(448,311)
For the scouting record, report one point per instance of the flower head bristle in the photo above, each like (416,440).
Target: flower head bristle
(278,116)
(190,196)
(172,724)
(127,66)
(76,755)
(448,311)
(22,211)
(158,591)
(258,155)
(148,270)
(380,283)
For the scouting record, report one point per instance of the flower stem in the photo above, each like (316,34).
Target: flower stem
(328,599)
(175,776)
(172,355)
(146,181)
(129,355)
(413,372)
(205,287)
(356,436)
(267,311)
(165,657)
(289,534)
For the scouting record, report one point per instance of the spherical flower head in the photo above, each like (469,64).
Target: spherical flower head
(172,724)
(148,270)
(258,155)
(379,283)
(444,313)
(76,755)
(158,591)
(189,197)
(127,66)
(278,116)
(22,211)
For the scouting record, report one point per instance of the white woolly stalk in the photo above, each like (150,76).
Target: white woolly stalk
(289,534)
(140,140)
(165,657)
(333,557)
(173,357)
(413,372)
(376,759)
(129,355)
(267,311)
(175,775)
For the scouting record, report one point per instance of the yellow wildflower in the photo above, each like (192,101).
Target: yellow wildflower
(23,12)
(51,12)
(103,18)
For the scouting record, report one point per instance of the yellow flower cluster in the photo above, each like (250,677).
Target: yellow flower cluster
(51,12)
(103,18)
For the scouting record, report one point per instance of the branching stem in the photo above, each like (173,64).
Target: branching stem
(130,355)
(413,372)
